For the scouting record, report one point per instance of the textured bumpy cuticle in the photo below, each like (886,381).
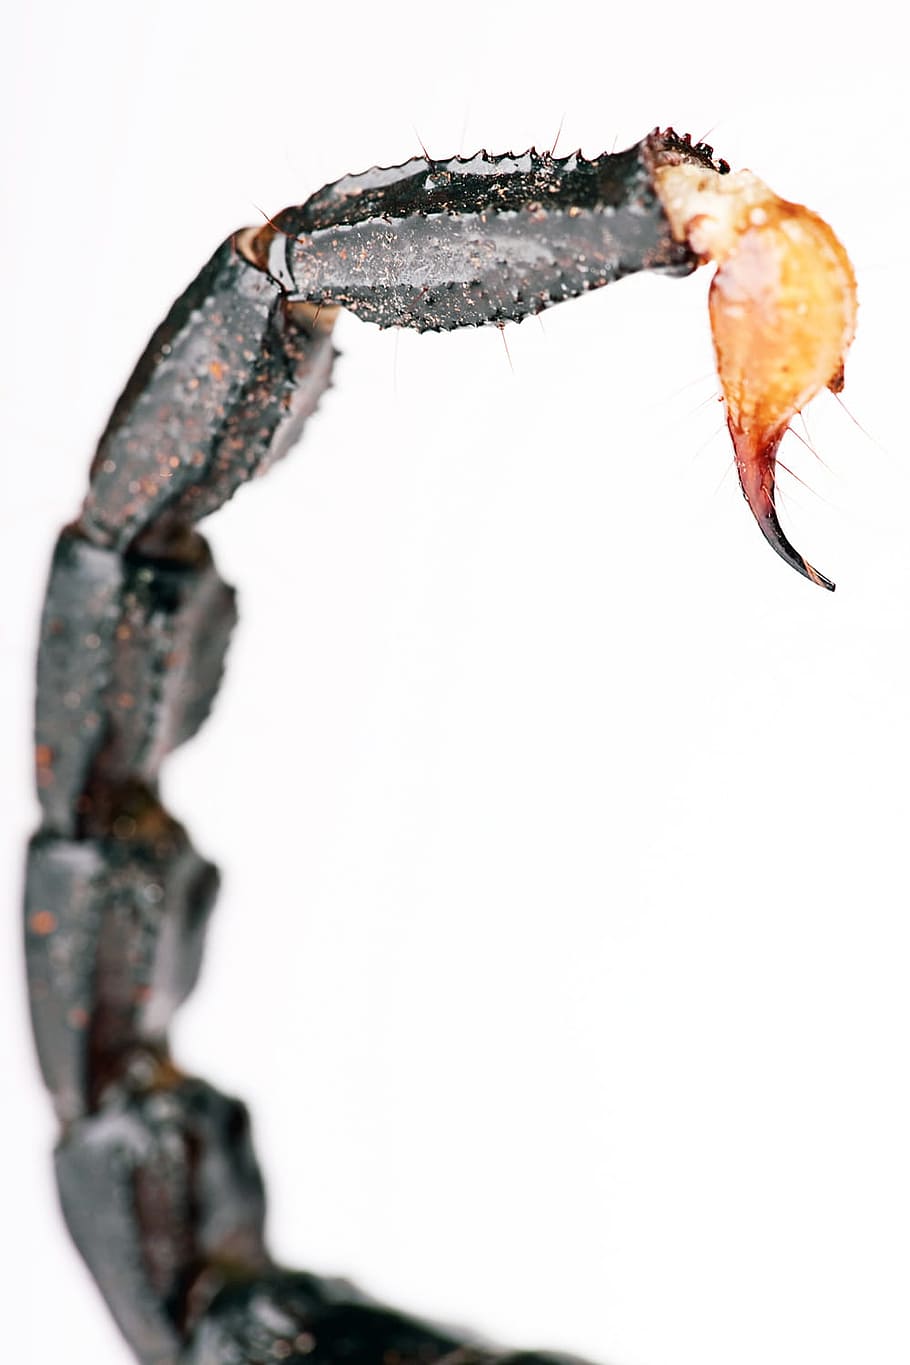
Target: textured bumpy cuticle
(156,1185)
(221,391)
(114,931)
(442,244)
(131,653)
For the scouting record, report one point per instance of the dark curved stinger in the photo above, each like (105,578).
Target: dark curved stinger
(757,479)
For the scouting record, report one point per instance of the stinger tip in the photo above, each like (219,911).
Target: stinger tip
(756,464)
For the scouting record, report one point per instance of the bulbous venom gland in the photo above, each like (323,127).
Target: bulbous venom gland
(783,313)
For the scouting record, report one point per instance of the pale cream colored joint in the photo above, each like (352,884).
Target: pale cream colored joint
(708,210)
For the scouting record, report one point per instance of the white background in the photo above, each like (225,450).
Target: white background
(563,946)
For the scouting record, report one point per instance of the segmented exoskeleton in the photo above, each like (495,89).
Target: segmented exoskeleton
(157,1177)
